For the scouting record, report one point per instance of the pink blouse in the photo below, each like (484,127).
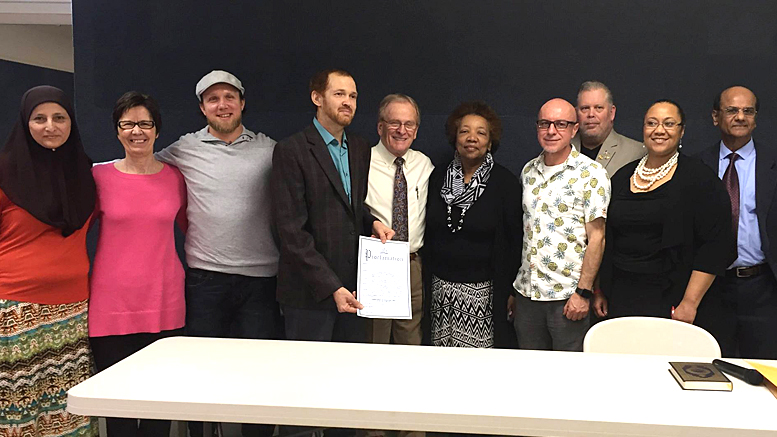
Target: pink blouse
(137,282)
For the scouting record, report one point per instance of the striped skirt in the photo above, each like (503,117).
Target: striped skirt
(44,350)
(462,313)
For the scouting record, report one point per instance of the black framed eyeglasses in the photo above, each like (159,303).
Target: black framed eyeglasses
(560,124)
(143,124)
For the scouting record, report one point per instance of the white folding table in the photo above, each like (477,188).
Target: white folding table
(392,387)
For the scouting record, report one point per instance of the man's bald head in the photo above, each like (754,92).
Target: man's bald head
(557,109)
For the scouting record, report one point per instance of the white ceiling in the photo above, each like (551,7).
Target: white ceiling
(37,32)
(36,12)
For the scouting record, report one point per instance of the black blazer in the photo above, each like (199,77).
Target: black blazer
(696,231)
(765,182)
(317,227)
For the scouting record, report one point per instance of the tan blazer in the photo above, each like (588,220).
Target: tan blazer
(616,151)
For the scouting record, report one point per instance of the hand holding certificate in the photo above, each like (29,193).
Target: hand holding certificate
(384,279)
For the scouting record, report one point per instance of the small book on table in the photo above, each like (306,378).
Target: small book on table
(699,376)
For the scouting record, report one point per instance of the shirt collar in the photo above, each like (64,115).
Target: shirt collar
(572,160)
(388,157)
(329,139)
(746,152)
(205,136)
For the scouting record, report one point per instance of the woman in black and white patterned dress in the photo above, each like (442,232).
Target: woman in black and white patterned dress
(473,235)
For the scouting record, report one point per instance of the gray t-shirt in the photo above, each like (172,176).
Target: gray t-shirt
(230,221)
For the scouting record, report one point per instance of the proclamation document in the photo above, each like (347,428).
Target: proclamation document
(384,279)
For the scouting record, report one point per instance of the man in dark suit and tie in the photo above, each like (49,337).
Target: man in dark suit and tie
(318,183)
(749,171)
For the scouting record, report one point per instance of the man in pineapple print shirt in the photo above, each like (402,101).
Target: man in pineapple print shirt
(565,199)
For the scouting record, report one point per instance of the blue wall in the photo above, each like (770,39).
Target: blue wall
(513,54)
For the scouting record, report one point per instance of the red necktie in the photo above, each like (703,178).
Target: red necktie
(731,180)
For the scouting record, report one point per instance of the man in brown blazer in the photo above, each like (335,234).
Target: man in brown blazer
(318,183)
(596,138)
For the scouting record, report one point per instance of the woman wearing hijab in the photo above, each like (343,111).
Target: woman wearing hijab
(473,226)
(139,200)
(47,196)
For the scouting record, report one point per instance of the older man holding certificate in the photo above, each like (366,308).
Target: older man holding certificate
(396,195)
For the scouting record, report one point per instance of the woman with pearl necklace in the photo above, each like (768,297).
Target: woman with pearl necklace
(668,231)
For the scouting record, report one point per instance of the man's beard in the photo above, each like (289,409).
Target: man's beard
(340,118)
(344,120)
(225,127)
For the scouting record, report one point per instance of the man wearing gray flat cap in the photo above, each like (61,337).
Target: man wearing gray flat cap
(230,249)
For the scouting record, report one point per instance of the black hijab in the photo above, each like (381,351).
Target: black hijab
(56,187)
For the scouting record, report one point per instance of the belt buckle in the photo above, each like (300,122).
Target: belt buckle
(742,275)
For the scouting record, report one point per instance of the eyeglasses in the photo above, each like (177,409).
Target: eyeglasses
(395,124)
(733,111)
(143,124)
(667,124)
(560,124)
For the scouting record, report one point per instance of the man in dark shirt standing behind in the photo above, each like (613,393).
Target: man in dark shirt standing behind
(597,138)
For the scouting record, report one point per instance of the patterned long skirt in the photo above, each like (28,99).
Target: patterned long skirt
(462,313)
(44,350)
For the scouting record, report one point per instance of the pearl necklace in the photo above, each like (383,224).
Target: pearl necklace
(652,174)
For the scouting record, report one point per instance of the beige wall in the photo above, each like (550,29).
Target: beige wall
(37,44)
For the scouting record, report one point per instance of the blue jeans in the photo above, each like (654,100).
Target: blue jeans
(232,306)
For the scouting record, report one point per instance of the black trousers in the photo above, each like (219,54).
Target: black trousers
(108,351)
(323,325)
(746,324)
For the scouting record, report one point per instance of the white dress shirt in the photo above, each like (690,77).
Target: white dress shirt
(380,189)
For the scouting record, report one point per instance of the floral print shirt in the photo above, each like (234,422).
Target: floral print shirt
(557,203)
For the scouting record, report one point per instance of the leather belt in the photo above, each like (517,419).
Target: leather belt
(413,256)
(746,272)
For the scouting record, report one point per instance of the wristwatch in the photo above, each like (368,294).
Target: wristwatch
(584,292)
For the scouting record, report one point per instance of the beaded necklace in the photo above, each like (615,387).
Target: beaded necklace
(461,220)
(652,174)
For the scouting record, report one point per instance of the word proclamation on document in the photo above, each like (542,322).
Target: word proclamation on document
(384,279)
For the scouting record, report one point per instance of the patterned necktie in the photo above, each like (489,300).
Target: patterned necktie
(399,204)
(731,180)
